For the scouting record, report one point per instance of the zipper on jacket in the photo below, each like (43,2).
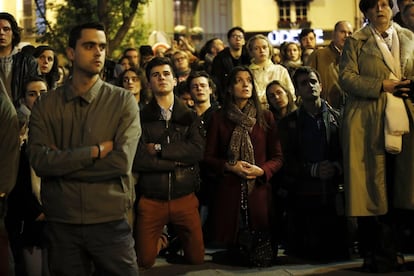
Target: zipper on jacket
(169,174)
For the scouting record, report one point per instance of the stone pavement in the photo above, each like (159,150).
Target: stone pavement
(215,265)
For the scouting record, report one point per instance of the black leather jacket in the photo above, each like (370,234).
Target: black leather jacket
(24,66)
(297,168)
(174,172)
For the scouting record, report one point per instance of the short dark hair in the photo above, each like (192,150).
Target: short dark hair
(145,50)
(157,61)
(41,48)
(31,79)
(365,5)
(129,49)
(13,24)
(200,74)
(305,32)
(304,70)
(231,31)
(76,32)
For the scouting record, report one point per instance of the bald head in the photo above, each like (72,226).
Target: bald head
(342,30)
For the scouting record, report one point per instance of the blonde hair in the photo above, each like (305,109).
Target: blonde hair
(256,37)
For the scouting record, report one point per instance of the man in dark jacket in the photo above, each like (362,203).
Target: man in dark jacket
(171,145)
(230,57)
(313,173)
(15,66)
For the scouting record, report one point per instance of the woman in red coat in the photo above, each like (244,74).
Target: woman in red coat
(242,146)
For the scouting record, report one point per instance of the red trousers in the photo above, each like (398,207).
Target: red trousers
(153,214)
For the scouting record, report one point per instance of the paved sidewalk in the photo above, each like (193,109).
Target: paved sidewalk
(214,266)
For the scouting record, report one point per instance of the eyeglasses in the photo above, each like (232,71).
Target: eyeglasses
(6,29)
(131,79)
(237,36)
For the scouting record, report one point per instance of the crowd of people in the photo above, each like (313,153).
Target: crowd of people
(173,149)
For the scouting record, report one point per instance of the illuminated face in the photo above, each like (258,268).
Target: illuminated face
(308,86)
(33,90)
(200,90)
(380,15)
(6,35)
(277,96)
(243,87)
(131,82)
(260,50)
(45,61)
(181,62)
(236,41)
(125,63)
(133,56)
(308,41)
(292,52)
(343,31)
(89,53)
(162,80)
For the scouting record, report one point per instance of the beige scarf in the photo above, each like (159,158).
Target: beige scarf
(396,119)
(241,147)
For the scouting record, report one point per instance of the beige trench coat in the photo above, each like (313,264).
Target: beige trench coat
(362,70)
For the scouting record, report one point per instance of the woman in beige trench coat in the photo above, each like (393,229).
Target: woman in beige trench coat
(376,182)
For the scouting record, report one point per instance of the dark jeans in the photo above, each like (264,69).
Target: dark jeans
(79,249)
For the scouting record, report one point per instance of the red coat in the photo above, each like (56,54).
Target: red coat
(226,200)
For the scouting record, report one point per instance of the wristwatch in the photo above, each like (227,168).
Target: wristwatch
(157,148)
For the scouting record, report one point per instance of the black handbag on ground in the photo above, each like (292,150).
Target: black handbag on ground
(255,246)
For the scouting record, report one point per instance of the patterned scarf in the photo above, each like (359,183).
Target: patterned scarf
(241,147)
